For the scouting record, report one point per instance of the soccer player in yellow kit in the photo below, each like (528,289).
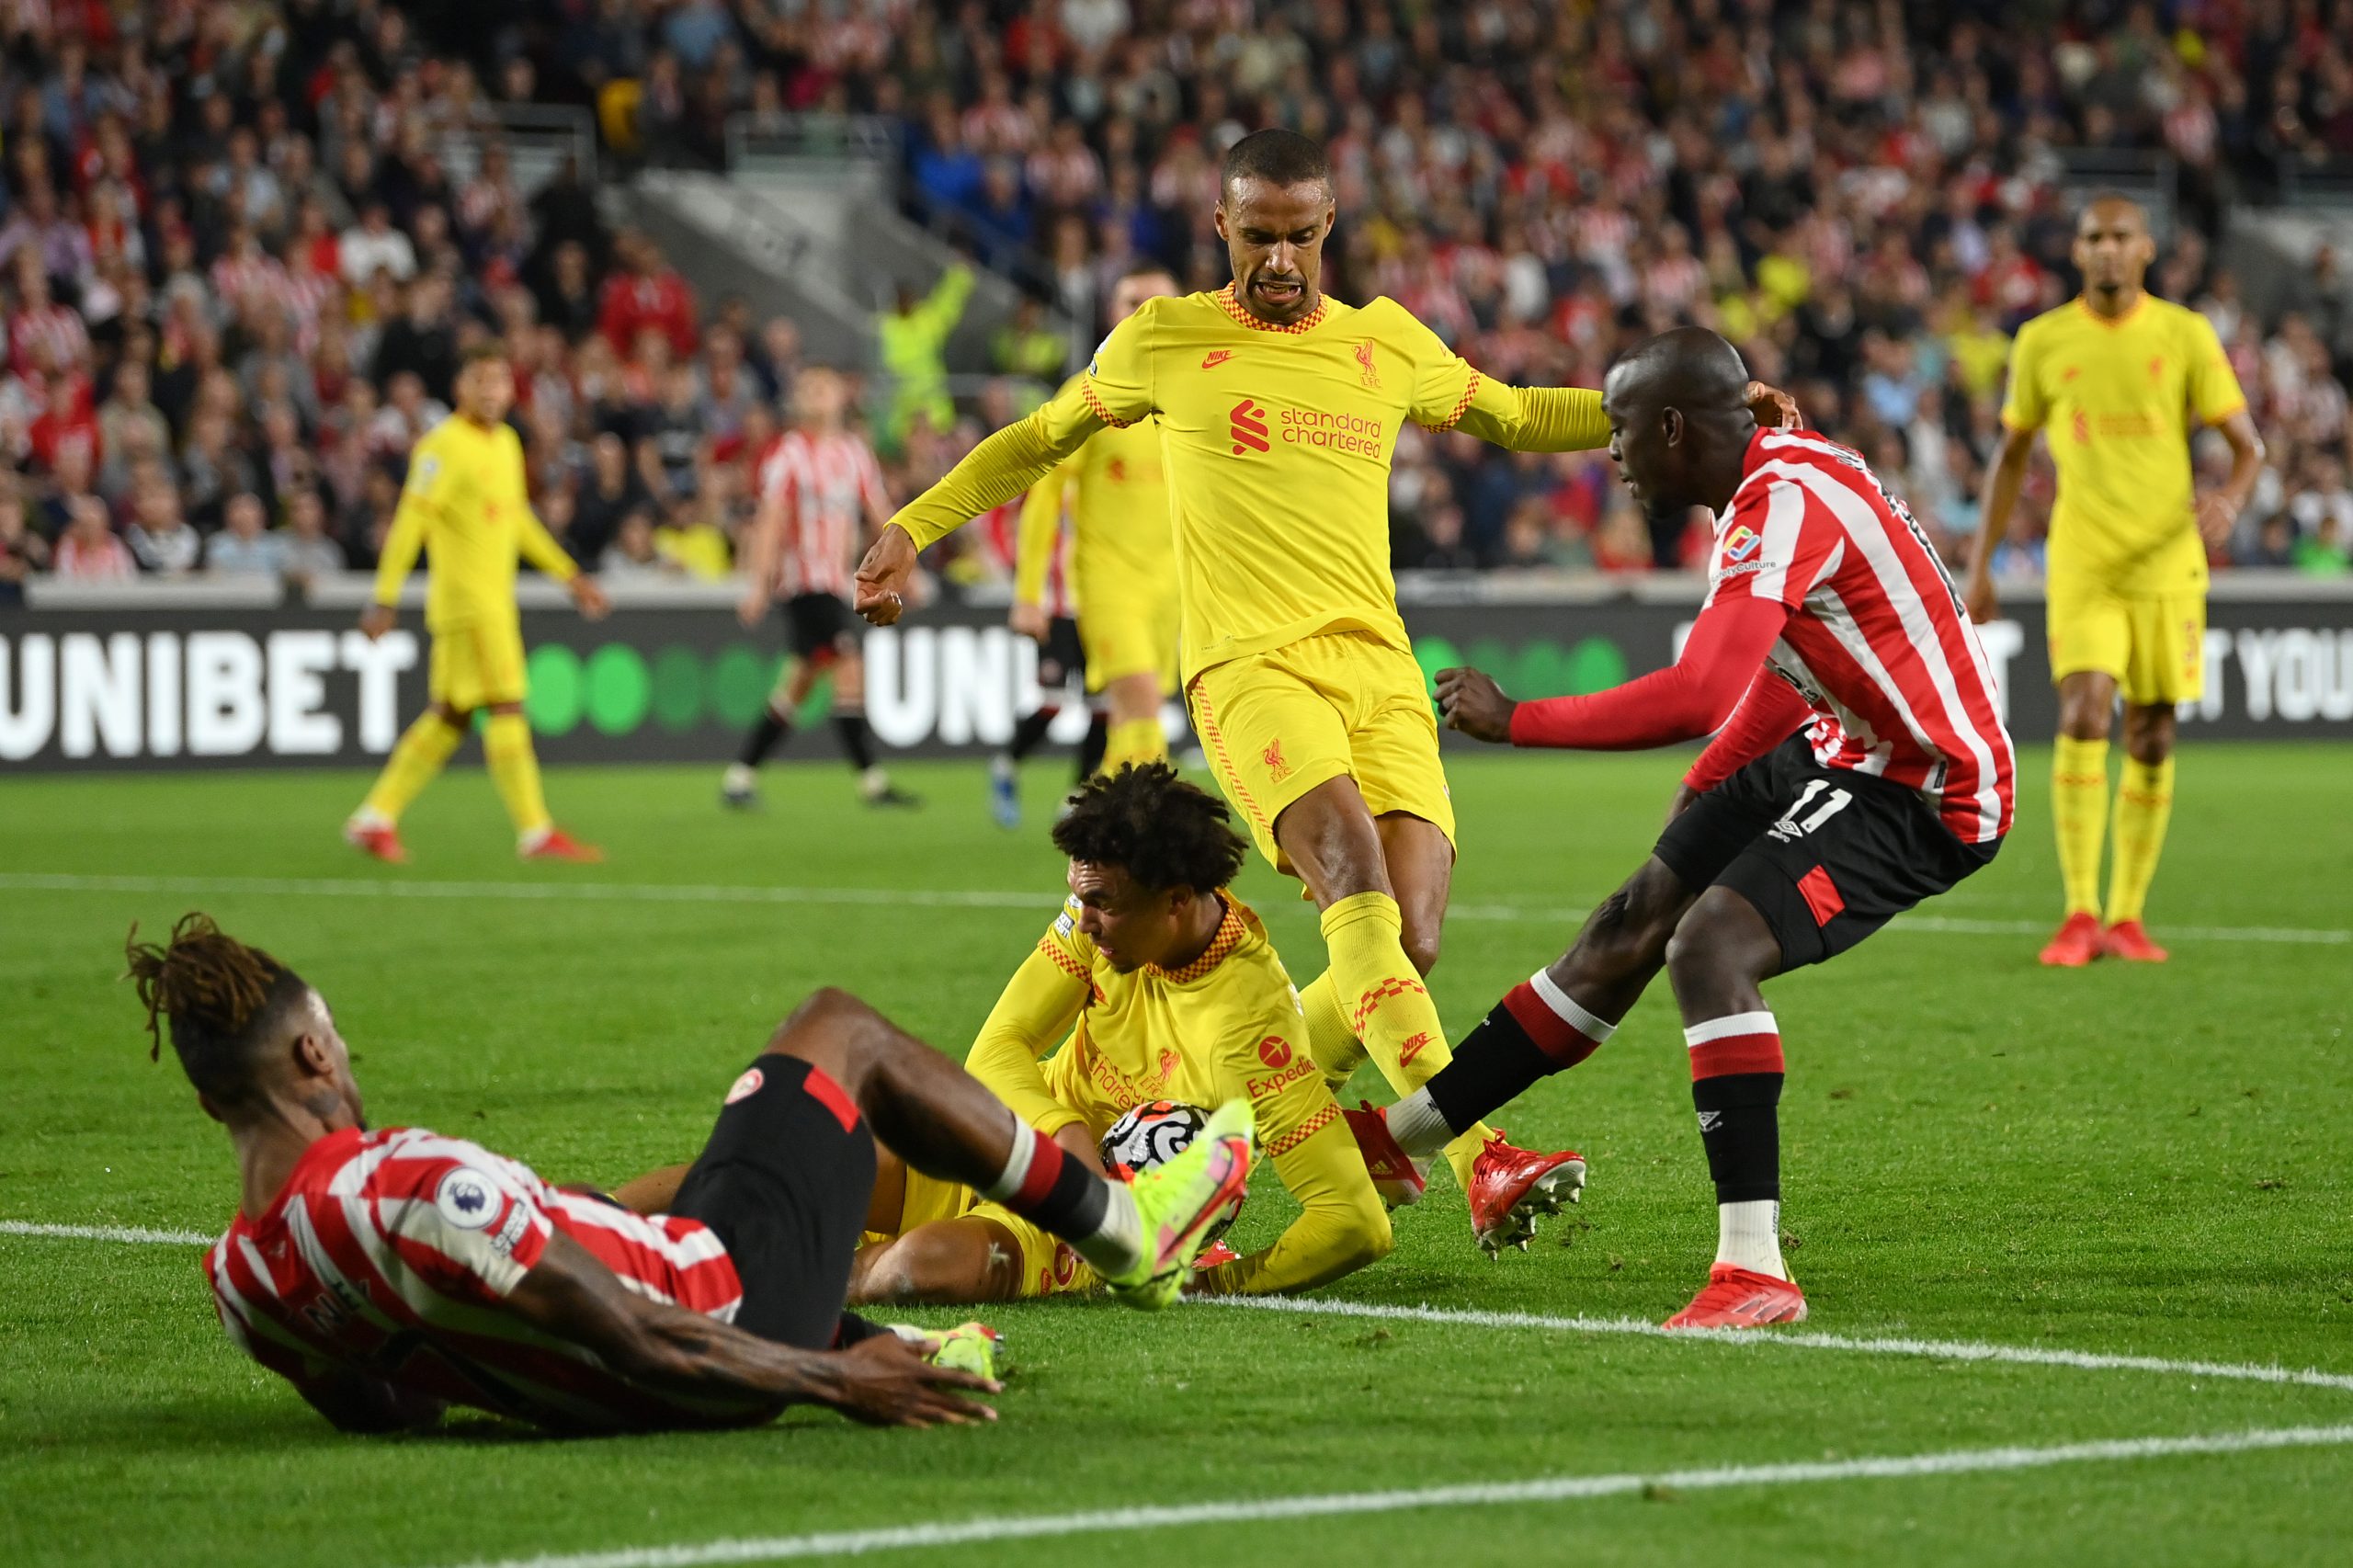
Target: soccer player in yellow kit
(466,502)
(2117,376)
(1123,561)
(1278,408)
(1158,984)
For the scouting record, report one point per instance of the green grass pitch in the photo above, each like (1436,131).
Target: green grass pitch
(2132,1161)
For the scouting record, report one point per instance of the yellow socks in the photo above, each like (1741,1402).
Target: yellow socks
(2143,805)
(421,751)
(507,748)
(1335,1047)
(1387,1007)
(1136,741)
(2079,810)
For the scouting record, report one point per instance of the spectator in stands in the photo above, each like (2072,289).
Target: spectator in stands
(612,494)
(307,552)
(646,293)
(22,552)
(634,558)
(374,246)
(1027,346)
(244,547)
(159,536)
(914,343)
(89,551)
(566,297)
(423,342)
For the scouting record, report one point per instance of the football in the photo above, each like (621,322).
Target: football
(1151,1134)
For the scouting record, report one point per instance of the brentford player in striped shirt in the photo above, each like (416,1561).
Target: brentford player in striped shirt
(1865,769)
(820,490)
(387,1274)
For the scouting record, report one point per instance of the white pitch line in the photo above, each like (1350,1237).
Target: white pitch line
(1799,1339)
(1542,1488)
(1804,1339)
(105,1234)
(936,898)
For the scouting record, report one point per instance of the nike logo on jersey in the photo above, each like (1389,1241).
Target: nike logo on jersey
(1216,357)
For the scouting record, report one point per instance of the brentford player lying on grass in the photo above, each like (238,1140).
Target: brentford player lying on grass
(390,1273)
(1866,770)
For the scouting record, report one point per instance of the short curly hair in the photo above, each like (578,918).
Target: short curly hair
(1148,822)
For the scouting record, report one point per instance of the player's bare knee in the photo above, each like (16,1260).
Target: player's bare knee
(1421,940)
(2149,734)
(1722,944)
(832,1030)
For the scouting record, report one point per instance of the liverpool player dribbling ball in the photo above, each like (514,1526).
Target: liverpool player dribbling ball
(388,1273)
(1278,409)
(1864,769)
(2115,377)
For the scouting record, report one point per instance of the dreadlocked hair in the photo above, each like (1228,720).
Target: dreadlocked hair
(219,996)
(1162,831)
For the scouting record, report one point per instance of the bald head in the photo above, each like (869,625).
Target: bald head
(2113,250)
(1680,423)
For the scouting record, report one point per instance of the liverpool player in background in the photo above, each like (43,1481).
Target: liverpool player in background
(818,484)
(1828,608)
(467,504)
(387,1273)
(1123,563)
(1278,408)
(2116,376)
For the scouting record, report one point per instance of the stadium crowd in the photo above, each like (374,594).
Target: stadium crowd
(243,245)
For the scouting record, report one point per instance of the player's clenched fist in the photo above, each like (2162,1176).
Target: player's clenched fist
(883,576)
(1475,704)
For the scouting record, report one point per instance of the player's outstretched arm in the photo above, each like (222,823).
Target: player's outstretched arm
(990,474)
(1688,699)
(571,1294)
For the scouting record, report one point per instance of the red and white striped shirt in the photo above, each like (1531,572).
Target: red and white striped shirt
(1877,641)
(391,1254)
(1000,533)
(823,483)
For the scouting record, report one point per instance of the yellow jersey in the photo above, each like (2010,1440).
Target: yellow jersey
(466,503)
(1123,544)
(2116,399)
(1276,442)
(1226,1027)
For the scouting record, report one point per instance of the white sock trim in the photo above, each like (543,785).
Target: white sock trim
(1748,1235)
(1017,1163)
(1564,1007)
(1726,1028)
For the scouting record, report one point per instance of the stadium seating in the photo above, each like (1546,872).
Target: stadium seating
(241,246)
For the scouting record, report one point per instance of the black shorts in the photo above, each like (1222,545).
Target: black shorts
(785,1182)
(1062,658)
(817,624)
(1827,855)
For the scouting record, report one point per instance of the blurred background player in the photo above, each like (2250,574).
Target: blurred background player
(467,504)
(818,485)
(388,1273)
(1123,563)
(1157,983)
(2117,375)
(1278,410)
(1062,661)
(1864,769)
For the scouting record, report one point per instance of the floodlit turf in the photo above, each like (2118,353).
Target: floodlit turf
(2122,1160)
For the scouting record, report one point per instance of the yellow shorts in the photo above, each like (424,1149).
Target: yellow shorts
(1278,723)
(2154,648)
(1049,1266)
(1129,634)
(478,664)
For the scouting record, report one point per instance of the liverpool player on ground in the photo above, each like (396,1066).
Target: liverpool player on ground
(388,1273)
(816,484)
(1123,563)
(1278,409)
(2117,376)
(1157,983)
(1782,848)
(467,504)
